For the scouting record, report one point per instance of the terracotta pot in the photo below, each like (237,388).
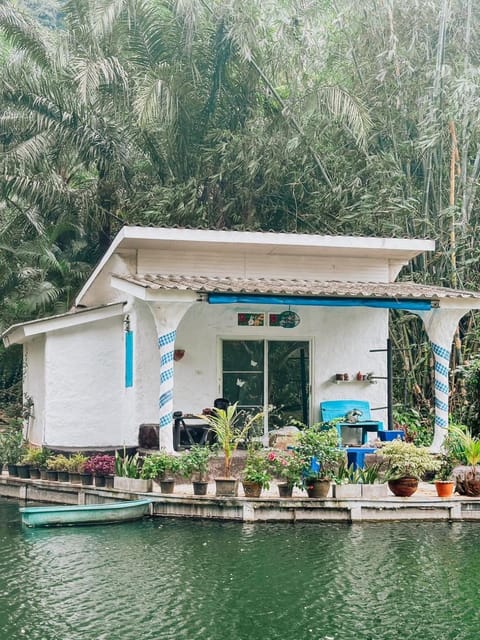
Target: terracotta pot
(200,487)
(317,488)
(444,488)
(252,489)
(227,487)
(403,487)
(285,490)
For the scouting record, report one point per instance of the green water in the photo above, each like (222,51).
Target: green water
(189,580)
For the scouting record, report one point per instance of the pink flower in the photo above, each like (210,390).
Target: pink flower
(271,456)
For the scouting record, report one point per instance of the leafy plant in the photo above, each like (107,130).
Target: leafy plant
(417,429)
(257,467)
(158,464)
(287,465)
(100,465)
(319,452)
(196,462)
(405,460)
(346,474)
(58,463)
(444,471)
(127,466)
(12,446)
(76,463)
(36,456)
(225,424)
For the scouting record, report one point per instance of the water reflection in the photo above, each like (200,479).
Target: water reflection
(194,580)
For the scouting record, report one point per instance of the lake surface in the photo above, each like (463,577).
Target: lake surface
(187,580)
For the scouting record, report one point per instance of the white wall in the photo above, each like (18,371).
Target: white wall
(87,404)
(34,386)
(341,342)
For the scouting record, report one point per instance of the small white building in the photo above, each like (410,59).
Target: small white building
(173,318)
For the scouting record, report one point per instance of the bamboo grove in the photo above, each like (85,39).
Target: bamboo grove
(294,115)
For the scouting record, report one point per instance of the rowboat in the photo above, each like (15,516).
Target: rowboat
(84,514)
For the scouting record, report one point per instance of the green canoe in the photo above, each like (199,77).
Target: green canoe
(84,514)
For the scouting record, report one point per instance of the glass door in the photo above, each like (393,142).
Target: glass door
(268,374)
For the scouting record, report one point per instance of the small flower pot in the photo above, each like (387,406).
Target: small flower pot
(86,479)
(285,490)
(167,485)
(251,489)
(63,476)
(226,487)
(99,481)
(317,488)
(403,487)
(52,475)
(23,471)
(109,482)
(200,488)
(34,473)
(43,474)
(445,488)
(74,477)
(12,470)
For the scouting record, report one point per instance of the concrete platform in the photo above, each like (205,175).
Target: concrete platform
(423,505)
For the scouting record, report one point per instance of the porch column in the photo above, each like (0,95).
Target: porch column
(167,318)
(440,325)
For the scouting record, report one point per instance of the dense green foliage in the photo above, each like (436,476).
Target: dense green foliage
(335,117)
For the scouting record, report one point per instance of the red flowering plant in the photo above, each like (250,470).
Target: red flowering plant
(100,465)
(287,466)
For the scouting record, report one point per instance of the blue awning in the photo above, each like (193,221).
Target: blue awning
(304,301)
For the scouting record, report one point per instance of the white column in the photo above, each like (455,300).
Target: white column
(440,325)
(167,318)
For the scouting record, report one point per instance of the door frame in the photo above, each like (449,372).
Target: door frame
(241,338)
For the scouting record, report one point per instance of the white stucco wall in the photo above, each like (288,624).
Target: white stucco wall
(34,387)
(341,340)
(87,404)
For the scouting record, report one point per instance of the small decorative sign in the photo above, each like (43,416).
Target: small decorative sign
(286,319)
(251,319)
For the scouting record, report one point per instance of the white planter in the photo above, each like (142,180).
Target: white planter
(347,491)
(374,490)
(134,485)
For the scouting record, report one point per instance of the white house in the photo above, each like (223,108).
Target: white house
(173,318)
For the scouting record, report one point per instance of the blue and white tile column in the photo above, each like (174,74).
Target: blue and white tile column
(167,318)
(440,325)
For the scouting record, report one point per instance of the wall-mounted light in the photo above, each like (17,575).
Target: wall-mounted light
(178,354)
(126,324)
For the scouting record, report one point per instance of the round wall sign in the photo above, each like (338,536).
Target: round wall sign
(288,319)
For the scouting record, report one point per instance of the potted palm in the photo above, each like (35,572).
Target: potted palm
(194,465)
(406,464)
(320,455)
(160,467)
(230,428)
(256,474)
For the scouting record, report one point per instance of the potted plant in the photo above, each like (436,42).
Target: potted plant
(75,467)
(444,483)
(194,465)
(287,466)
(372,481)
(407,464)
(102,468)
(320,455)
(346,482)
(35,458)
(158,466)
(466,449)
(57,468)
(256,474)
(127,474)
(230,428)
(12,446)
